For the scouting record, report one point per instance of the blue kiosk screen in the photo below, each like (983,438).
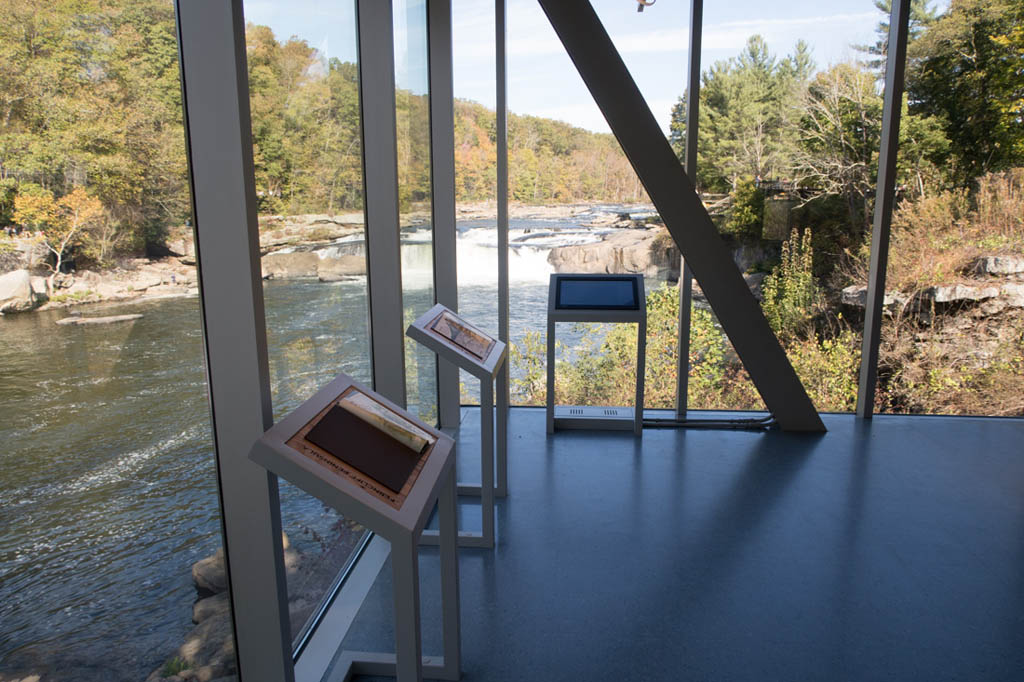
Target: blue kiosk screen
(597,293)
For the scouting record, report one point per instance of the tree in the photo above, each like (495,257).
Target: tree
(967,70)
(89,96)
(746,105)
(61,224)
(922,15)
(839,135)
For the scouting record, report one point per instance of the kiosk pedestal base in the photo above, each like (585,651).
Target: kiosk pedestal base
(599,418)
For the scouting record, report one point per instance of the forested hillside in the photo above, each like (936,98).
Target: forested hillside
(90,101)
(549,161)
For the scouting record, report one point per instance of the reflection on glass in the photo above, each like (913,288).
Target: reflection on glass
(304,89)
(412,114)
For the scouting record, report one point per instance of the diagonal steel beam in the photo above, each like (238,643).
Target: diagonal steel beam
(609,81)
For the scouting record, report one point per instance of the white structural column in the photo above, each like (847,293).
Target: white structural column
(641,138)
(685,276)
(380,181)
(895,66)
(501,125)
(211,40)
(442,174)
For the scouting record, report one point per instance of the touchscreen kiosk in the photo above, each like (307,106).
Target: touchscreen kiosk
(596,298)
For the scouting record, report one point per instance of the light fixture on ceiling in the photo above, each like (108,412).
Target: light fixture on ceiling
(640,4)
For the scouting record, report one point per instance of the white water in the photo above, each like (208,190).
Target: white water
(530,244)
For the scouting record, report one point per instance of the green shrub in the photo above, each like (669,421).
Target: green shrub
(791,295)
(319,234)
(746,215)
(174,666)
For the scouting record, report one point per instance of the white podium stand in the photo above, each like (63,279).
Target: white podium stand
(597,298)
(462,344)
(398,516)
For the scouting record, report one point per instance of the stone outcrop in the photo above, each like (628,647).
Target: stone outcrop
(208,652)
(998,285)
(290,265)
(310,265)
(138,278)
(651,253)
(958,293)
(999,265)
(857,297)
(210,574)
(210,607)
(342,267)
(17,294)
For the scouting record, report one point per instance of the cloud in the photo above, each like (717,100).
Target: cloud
(529,33)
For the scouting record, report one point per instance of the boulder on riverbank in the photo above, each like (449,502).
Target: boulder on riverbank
(208,652)
(651,253)
(290,265)
(17,294)
(340,268)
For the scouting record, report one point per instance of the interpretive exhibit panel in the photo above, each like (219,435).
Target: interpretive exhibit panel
(364,440)
(379,466)
(467,347)
(451,328)
(596,298)
(458,341)
(353,448)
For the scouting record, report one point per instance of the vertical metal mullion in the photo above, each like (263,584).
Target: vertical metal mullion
(442,174)
(215,95)
(690,164)
(501,125)
(376,42)
(884,196)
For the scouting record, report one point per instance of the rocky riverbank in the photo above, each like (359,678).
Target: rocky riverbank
(329,248)
(23,291)
(208,651)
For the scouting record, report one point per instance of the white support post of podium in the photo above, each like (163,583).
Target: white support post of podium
(399,517)
(459,342)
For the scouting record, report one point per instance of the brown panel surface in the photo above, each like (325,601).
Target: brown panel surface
(343,435)
(394,497)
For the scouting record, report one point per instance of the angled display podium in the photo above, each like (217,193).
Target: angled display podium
(367,458)
(597,298)
(455,340)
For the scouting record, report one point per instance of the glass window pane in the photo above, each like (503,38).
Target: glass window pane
(952,336)
(108,490)
(786,190)
(304,90)
(475,173)
(412,114)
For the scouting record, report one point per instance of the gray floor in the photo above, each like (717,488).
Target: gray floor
(892,550)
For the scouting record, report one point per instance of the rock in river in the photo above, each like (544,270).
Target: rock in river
(77,320)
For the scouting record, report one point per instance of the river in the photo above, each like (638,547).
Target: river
(108,491)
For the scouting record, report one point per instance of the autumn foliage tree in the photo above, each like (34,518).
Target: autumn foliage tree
(59,224)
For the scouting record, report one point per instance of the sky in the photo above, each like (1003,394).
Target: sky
(542,80)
